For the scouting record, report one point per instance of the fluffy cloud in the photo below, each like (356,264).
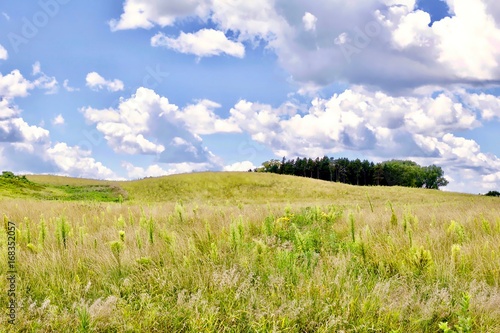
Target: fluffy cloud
(385,44)
(309,21)
(13,128)
(155,170)
(75,161)
(203,43)
(252,20)
(148,124)
(58,120)
(97,82)
(146,13)
(4,55)
(458,152)
(124,129)
(488,105)
(16,130)
(200,119)
(354,120)
(27,148)
(43,81)
(58,159)
(492,178)
(468,42)
(240,166)
(68,87)
(14,85)
(7,110)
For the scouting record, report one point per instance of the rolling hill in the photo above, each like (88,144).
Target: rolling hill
(226,187)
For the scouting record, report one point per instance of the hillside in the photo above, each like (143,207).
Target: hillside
(229,187)
(45,187)
(249,187)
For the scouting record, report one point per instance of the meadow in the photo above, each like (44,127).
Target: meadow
(248,252)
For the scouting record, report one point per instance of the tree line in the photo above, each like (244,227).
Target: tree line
(357,172)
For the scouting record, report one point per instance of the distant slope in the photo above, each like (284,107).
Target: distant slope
(227,188)
(15,187)
(266,187)
(46,187)
(61,180)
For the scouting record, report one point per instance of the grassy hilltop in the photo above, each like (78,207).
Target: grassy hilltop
(248,252)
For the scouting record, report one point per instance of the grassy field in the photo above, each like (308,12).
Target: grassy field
(60,188)
(248,252)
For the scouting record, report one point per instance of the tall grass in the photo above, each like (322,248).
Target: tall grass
(292,266)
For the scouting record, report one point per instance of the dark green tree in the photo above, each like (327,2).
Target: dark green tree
(433,177)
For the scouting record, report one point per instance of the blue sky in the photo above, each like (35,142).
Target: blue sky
(147,88)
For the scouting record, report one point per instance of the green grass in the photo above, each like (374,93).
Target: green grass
(55,188)
(246,252)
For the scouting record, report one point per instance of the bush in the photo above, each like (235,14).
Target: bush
(493,194)
(8,174)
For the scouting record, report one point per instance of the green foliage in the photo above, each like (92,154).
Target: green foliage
(179,209)
(151,228)
(5,223)
(20,186)
(7,175)
(116,249)
(421,260)
(353,227)
(12,185)
(43,230)
(63,231)
(493,194)
(457,232)
(370,202)
(394,218)
(464,324)
(84,320)
(32,248)
(433,177)
(357,172)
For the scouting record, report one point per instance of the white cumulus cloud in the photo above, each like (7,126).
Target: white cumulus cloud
(97,82)
(240,166)
(203,43)
(155,170)
(43,81)
(146,13)
(385,44)
(309,21)
(149,124)
(58,120)
(14,85)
